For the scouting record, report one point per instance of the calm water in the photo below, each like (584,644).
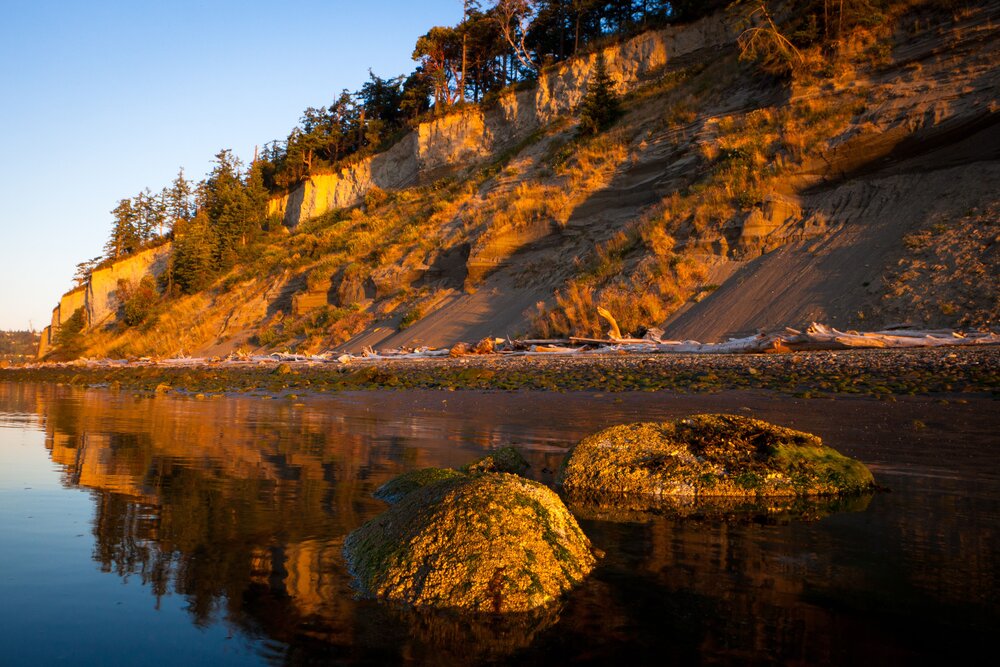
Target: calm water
(170,530)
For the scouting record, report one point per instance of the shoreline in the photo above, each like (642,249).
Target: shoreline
(874,372)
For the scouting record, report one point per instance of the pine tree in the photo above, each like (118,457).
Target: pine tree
(177,200)
(149,215)
(192,262)
(600,106)
(69,337)
(126,237)
(223,197)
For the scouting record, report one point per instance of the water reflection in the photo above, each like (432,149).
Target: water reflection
(241,505)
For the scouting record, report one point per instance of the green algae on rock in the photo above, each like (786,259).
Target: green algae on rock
(709,457)
(503,459)
(488,543)
(399,487)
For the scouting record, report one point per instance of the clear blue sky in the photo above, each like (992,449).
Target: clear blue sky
(102,99)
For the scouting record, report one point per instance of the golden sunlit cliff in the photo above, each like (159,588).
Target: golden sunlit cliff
(858,190)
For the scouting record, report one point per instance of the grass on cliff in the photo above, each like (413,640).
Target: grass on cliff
(652,265)
(742,139)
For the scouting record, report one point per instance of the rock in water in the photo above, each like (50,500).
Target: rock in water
(710,456)
(503,459)
(399,487)
(489,543)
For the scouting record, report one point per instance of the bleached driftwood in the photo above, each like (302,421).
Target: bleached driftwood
(822,337)
(815,337)
(614,332)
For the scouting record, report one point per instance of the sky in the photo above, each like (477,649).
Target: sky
(99,100)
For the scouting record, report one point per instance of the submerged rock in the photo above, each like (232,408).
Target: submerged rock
(709,457)
(504,459)
(492,543)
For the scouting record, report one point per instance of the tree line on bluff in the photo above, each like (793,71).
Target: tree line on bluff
(496,45)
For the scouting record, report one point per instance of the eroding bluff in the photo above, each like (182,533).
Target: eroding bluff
(709,456)
(493,543)
(471,136)
(99,297)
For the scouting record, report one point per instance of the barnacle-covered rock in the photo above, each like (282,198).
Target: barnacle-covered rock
(493,542)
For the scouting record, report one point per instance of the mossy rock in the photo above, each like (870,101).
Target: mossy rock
(709,457)
(504,459)
(398,488)
(488,543)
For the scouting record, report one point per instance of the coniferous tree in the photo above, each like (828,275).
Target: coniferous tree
(69,337)
(600,106)
(255,195)
(223,198)
(125,234)
(416,94)
(84,270)
(192,262)
(177,200)
(150,216)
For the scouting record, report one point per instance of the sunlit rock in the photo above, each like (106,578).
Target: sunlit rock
(485,543)
(503,459)
(723,460)
(399,487)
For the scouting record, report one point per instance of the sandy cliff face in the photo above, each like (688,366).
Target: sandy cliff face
(885,220)
(393,169)
(44,343)
(102,289)
(471,136)
(99,298)
(68,305)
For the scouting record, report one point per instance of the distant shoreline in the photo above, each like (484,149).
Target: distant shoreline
(878,373)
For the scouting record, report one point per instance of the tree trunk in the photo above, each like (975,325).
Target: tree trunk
(461,90)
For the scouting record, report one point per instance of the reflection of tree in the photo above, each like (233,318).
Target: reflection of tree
(241,505)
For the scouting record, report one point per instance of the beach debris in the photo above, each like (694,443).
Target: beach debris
(614,332)
(815,337)
(460,350)
(487,345)
(653,334)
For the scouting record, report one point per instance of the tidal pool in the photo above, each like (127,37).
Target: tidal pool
(176,530)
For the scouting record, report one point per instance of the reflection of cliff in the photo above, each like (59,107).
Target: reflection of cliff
(241,506)
(240,501)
